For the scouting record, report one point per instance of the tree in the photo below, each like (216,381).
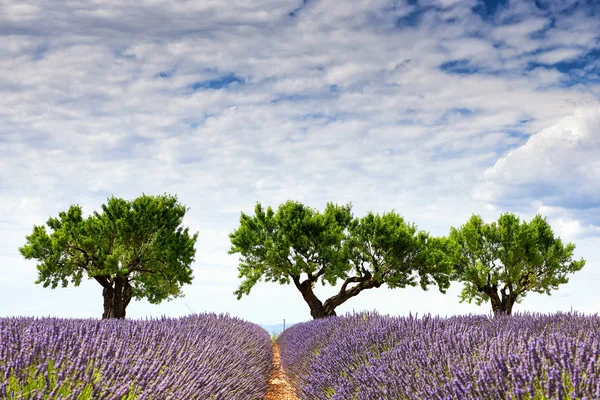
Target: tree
(502,262)
(300,245)
(134,249)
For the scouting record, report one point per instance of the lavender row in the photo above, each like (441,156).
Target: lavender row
(204,356)
(368,356)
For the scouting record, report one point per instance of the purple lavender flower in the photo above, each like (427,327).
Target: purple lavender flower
(204,356)
(367,356)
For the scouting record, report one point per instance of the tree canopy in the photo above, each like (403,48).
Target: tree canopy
(303,246)
(134,249)
(501,262)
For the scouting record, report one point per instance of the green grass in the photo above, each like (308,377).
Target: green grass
(46,381)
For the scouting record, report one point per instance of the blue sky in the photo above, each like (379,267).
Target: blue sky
(434,108)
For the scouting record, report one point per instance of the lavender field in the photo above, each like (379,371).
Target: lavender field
(204,356)
(367,356)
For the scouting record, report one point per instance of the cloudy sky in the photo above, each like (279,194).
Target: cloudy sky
(437,109)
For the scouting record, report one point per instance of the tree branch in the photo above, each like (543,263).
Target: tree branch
(104,281)
(296,280)
(318,274)
(364,282)
(149,271)
(354,279)
(87,256)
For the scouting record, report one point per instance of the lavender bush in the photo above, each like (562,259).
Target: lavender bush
(367,356)
(204,356)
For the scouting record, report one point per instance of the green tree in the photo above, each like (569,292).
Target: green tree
(502,262)
(301,245)
(134,249)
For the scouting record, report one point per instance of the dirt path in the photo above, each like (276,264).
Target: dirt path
(279,388)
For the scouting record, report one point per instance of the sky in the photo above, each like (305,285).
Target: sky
(437,109)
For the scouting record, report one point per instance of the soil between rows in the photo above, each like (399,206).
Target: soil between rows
(279,387)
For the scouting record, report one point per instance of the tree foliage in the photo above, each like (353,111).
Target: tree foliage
(502,261)
(303,246)
(134,249)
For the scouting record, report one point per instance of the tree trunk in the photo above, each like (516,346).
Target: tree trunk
(502,309)
(116,298)
(502,303)
(316,306)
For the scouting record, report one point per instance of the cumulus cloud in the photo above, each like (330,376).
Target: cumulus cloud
(388,104)
(557,166)
(557,55)
(573,229)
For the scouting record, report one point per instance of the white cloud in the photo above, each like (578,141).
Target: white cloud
(517,35)
(573,229)
(99,101)
(21,12)
(558,55)
(557,166)
(545,76)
